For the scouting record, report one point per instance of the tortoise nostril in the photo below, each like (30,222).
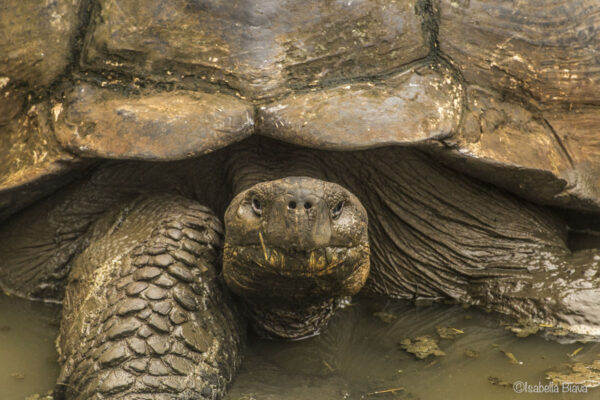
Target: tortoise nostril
(307,205)
(292,205)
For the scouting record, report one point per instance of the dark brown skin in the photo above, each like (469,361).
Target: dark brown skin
(144,313)
(294,246)
(435,233)
(500,90)
(432,233)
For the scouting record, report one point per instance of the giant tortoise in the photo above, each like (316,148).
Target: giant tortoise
(448,146)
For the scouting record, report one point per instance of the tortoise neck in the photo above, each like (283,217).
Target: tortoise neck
(291,321)
(260,159)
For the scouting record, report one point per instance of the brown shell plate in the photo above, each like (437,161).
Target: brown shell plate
(507,92)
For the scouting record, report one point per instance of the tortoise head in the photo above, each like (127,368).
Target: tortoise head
(293,248)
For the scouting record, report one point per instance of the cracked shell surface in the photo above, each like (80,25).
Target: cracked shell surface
(515,105)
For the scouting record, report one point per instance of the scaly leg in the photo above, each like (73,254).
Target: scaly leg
(145,315)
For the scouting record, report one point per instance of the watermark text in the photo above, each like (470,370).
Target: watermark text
(526,387)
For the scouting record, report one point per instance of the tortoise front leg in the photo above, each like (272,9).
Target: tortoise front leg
(145,315)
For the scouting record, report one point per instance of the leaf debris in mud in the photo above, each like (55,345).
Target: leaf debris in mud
(385,391)
(575,352)
(48,396)
(422,347)
(511,357)
(523,328)
(471,353)
(445,332)
(498,382)
(580,374)
(386,317)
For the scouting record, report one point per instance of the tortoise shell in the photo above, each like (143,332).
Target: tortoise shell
(504,91)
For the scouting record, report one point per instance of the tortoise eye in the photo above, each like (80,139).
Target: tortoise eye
(256,206)
(337,210)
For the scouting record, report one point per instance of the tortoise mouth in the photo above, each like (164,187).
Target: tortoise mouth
(295,262)
(256,271)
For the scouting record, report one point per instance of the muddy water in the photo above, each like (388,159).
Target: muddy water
(27,353)
(358,357)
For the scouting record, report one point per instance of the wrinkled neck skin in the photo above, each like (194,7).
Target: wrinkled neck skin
(291,321)
(435,233)
(261,159)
